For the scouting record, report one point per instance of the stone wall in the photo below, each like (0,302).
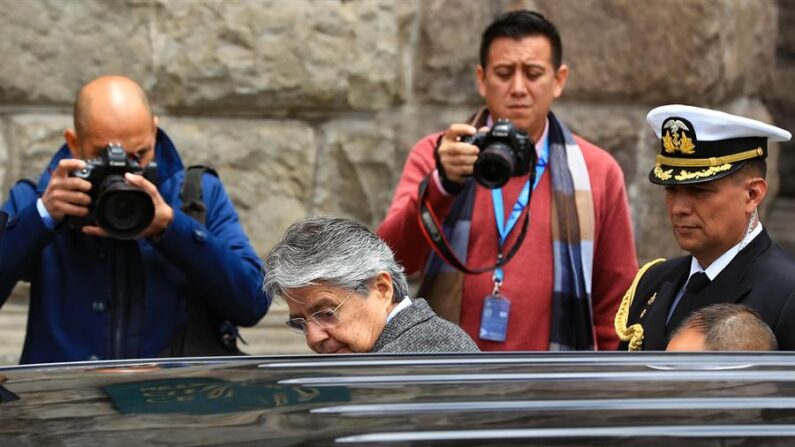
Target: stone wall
(311,106)
(780,95)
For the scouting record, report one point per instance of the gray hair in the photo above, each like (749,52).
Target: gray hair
(334,252)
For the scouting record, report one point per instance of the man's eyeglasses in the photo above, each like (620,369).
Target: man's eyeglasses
(325,318)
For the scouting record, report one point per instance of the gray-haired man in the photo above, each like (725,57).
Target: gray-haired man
(346,293)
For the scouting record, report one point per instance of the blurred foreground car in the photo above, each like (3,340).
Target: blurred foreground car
(489,399)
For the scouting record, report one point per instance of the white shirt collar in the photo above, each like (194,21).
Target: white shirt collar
(716,267)
(540,143)
(406,302)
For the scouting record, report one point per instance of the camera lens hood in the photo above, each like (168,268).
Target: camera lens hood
(123,210)
(495,165)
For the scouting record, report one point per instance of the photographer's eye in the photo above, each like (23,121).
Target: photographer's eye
(503,74)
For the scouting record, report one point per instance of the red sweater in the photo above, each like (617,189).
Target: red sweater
(529,275)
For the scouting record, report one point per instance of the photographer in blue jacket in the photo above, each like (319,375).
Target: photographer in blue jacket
(116,267)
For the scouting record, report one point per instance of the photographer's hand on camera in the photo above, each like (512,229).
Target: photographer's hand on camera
(455,160)
(164,214)
(67,196)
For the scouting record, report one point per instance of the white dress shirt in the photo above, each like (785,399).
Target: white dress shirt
(716,267)
(406,302)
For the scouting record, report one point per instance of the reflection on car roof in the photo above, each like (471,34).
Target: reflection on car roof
(422,399)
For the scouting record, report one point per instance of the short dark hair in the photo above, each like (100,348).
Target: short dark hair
(756,167)
(730,327)
(520,24)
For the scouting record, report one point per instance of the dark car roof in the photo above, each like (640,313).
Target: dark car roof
(423,399)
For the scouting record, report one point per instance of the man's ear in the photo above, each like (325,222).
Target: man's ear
(71,142)
(561,76)
(383,285)
(480,79)
(155,121)
(756,189)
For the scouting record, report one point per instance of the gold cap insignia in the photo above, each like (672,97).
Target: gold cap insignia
(677,137)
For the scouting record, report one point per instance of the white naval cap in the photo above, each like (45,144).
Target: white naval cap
(699,145)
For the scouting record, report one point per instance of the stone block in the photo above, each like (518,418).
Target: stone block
(51,47)
(266,166)
(615,128)
(781,100)
(355,169)
(449,42)
(786,33)
(700,51)
(4,158)
(274,57)
(33,140)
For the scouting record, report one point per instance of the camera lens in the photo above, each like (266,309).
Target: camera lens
(494,166)
(123,210)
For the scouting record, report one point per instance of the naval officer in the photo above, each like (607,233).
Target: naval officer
(712,165)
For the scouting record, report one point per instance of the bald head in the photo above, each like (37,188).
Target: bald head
(112,109)
(109,98)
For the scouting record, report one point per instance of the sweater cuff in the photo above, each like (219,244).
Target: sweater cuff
(437,180)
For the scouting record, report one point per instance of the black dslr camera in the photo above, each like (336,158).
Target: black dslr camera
(121,209)
(505,152)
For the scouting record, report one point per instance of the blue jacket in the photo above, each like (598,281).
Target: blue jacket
(100,298)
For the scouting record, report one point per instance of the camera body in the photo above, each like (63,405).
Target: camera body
(121,209)
(505,152)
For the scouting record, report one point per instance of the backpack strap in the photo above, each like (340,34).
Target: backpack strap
(23,190)
(203,334)
(191,193)
(32,181)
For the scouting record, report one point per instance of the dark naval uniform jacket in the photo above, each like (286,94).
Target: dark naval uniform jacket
(761,276)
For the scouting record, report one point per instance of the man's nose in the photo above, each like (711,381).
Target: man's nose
(678,204)
(315,335)
(518,87)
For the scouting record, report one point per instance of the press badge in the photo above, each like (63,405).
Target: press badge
(494,323)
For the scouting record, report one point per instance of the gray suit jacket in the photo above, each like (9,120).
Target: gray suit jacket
(418,329)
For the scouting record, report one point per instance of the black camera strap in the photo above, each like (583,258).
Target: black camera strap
(432,230)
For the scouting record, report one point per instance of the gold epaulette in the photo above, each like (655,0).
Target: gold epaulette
(633,334)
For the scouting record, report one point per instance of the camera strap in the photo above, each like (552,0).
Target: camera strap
(429,224)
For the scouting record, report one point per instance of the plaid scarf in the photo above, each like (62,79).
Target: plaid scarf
(572,326)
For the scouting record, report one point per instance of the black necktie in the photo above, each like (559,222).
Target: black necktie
(694,286)
(696,283)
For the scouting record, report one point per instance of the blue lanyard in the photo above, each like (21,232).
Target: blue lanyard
(496,199)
